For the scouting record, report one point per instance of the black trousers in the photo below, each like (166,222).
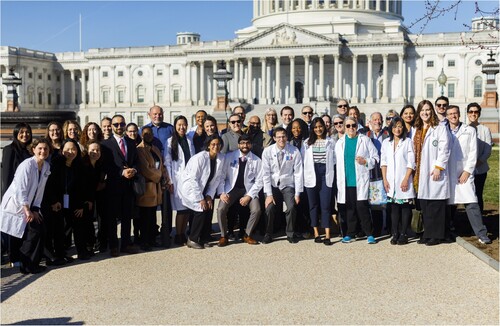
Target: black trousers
(147,218)
(81,226)
(401,215)
(102,221)
(33,244)
(55,234)
(200,225)
(479,181)
(120,206)
(357,209)
(434,216)
(166,220)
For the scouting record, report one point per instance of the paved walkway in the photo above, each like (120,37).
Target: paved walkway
(279,283)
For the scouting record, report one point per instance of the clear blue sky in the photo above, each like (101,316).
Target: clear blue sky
(53,26)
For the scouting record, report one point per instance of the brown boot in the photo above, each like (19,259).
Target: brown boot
(222,242)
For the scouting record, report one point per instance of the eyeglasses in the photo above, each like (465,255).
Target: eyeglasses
(389,118)
(351,126)
(439,105)
(307,113)
(255,124)
(338,123)
(473,112)
(120,124)
(235,121)
(342,105)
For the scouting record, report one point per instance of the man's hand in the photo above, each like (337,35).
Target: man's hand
(129,173)
(224,197)
(245,200)
(463,177)
(297,200)
(269,201)
(56,207)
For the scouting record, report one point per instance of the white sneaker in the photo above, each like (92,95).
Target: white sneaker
(484,240)
(15,264)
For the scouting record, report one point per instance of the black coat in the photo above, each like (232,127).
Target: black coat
(114,163)
(12,156)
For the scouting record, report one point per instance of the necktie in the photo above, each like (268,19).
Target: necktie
(243,159)
(122,147)
(281,154)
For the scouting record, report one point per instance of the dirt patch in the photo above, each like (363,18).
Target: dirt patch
(490,219)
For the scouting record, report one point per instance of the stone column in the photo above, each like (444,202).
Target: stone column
(384,98)
(242,87)
(306,80)
(276,5)
(262,93)
(377,5)
(130,85)
(249,81)
(72,93)
(277,92)
(292,99)
(462,86)
(236,70)
(91,85)
(341,83)
(268,83)
(112,93)
(255,8)
(354,98)
(194,83)
(214,84)
(167,85)
(321,87)
(63,92)
(201,101)
(84,88)
(336,94)
(187,95)
(369,81)
(386,5)
(401,78)
(35,90)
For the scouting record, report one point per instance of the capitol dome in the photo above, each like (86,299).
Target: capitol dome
(327,17)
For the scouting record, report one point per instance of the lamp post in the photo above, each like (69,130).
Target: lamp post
(442,80)
(11,81)
(222,76)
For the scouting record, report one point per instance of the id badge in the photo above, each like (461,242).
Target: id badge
(157,165)
(66,201)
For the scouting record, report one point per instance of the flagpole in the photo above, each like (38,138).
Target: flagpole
(80,32)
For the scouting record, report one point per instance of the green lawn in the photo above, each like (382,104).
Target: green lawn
(490,194)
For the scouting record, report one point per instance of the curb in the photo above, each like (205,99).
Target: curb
(478,253)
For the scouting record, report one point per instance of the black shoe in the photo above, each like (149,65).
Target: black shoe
(394,239)
(327,242)
(33,270)
(403,239)
(422,241)
(231,236)
(292,239)
(55,262)
(318,239)
(84,257)
(69,259)
(146,248)
(267,239)
(432,242)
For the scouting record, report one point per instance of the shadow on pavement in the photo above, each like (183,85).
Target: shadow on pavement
(49,321)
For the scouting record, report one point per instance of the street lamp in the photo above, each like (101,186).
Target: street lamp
(442,80)
(222,76)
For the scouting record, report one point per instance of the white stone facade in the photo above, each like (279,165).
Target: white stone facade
(295,53)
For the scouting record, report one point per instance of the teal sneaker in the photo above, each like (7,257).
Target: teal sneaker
(371,240)
(347,239)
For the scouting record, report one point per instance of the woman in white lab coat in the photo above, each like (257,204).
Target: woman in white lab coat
(179,150)
(397,162)
(20,213)
(356,156)
(319,160)
(197,188)
(431,144)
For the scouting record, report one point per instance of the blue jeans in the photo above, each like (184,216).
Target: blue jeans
(319,198)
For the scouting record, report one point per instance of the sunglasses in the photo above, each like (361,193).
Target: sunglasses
(307,113)
(342,105)
(235,121)
(338,123)
(121,124)
(442,105)
(473,112)
(389,118)
(350,126)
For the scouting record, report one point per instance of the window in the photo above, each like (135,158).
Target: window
(478,86)
(140,120)
(430,64)
(77,96)
(159,72)
(40,76)
(40,98)
(478,62)
(49,99)
(451,63)
(121,96)
(120,73)
(451,90)
(30,75)
(58,99)
(49,77)
(30,97)
(105,74)
(139,73)
(105,96)
(176,95)
(175,72)
(1,96)
(159,96)
(58,78)
(430,91)
(141,91)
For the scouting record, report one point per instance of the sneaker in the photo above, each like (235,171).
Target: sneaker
(347,239)
(484,240)
(371,240)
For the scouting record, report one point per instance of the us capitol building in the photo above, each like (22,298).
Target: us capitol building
(295,52)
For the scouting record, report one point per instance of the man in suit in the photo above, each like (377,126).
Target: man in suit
(120,160)
(242,183)
(283,182)
(287,116)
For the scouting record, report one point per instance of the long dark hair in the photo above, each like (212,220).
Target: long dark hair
(176,137)
(394,121)
(209,140)
(409,106)
(84,138)
(211,118)
(78,157)
(312,135)
(17,129)
(303,129)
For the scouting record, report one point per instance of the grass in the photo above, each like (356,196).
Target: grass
(490,194)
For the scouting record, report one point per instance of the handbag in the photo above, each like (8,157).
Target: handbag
(417,223)
(377,197)
(139,185)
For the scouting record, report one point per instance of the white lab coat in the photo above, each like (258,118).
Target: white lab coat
(463,157)
(252,177)
(397,162)
(435,152)
(27,188)
(364,148)
(289,175)
(309,173)
(175,169)
(195,177)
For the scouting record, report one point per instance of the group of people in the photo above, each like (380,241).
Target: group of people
(294,174)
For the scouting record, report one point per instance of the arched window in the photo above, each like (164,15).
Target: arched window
(478,86)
